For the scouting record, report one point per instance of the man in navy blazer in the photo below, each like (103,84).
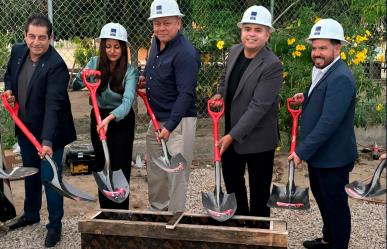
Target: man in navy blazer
(37,79)
(328,141)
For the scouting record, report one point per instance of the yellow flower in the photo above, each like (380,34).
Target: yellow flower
(291,41)
(360,39)
(343,56)
(285,74)
(316,19)
(360,57)
(220,45)
(300,47)
(296,54)
(368,33)
(351,51)
(278,148)
(380,57)
(379,107)
(348,38)
(364,51)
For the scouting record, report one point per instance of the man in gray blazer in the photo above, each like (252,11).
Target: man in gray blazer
(251,91)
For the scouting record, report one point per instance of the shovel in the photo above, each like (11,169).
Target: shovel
(219,206)
(15,173)
(363,191)
(290,196)
(112,184)
(60,186)
(168,163)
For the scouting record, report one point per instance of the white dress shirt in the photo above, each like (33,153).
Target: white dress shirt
(318,73)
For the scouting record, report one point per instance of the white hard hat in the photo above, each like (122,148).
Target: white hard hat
(327,29)
(257,15)
(114,31)
(163,8)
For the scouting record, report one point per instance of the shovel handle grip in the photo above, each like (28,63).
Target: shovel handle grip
(92,87)
(295,115)
(13,111)
(149,110)
(215,116)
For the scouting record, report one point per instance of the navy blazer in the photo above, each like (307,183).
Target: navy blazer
(327,120)
(48,109)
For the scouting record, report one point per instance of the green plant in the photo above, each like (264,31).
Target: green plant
(4,49)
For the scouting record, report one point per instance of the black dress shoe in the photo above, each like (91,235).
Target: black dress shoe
(316,244)
(21,222)
(52,238)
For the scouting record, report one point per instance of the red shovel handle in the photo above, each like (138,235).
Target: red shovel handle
(13,112)
(149,110)
(295,115)
(92,87)
(215,116)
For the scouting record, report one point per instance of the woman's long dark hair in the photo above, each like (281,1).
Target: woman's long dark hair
(116,76)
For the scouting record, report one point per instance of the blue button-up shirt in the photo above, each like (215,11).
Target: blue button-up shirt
(171,76)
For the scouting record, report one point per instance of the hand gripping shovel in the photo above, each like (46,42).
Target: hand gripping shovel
(168,163)
(112,184)
(291,196)
(57,184)
(363,191)
(218,205)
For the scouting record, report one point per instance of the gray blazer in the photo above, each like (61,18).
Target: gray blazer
(254,108)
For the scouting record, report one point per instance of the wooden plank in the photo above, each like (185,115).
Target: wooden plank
(175,219)
(89,241)
(187,232)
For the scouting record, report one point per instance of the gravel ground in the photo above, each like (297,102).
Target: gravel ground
(368,222)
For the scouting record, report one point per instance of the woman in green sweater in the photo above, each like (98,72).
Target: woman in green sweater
(115,97)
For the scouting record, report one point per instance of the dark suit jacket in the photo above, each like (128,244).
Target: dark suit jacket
(48,110)
(327,128)
(254,107)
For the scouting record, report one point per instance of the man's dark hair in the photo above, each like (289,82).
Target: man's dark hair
(335,42)
(39,20)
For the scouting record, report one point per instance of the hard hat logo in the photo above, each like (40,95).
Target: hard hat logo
(159,9)
(113,32)
(317,30)
(253,15)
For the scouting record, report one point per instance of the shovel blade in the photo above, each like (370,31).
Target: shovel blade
(297,199)
(63,187)
(18,173)
(69,191)
(174,164)
(221,211)
(115,189)
(360,190)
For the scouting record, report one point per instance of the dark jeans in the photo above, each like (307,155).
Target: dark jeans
(120,136)
(33,185)
(260,169)
(327,185)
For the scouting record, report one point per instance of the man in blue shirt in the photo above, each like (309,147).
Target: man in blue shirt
(170,79)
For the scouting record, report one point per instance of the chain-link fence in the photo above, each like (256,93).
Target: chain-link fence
(207,22)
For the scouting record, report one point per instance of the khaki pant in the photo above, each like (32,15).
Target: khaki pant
(167,191)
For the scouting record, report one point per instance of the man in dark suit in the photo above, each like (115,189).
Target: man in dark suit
(251,92)
(328,141)
(37,78)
